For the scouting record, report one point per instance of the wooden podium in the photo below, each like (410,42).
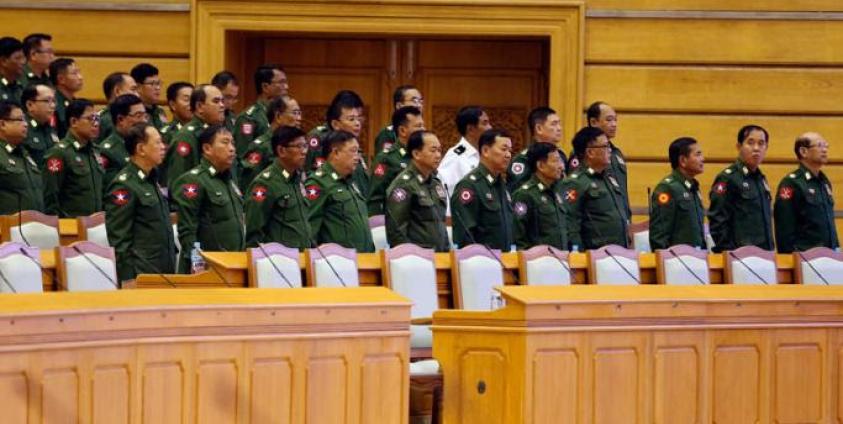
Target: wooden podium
(645,354)
(205,356)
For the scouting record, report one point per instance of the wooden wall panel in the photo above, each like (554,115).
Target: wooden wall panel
(95,69)
(678,367)
(558,371)
(482,384)
(799,359)
(326,390)
(716,5)
(381,374)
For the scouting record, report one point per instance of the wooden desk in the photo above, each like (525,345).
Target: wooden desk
(645,354)
(205,356)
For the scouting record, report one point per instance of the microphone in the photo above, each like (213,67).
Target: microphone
(20,221)
(747,267)
(6,280)
(564,265)
(628,272)
(650,201)
(275,267)
(154,267)
(812,268)
(319,249)
(97,267)
(216,271)
(43,271)
(687,268)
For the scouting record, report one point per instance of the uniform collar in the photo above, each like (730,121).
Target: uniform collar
(744,170)
(7,83)
(196,124)
(484,174)
(328,169)
(8,147)
(688,183)
(284,173)
(469,149)
(534,180)
(73,141)
(211,170)
(808,174)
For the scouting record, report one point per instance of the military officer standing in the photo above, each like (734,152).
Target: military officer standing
(149,90)
(227,82)
(127,110)
(676,210)
(545,127)
(178,99)
(40,103)
(137,216)
(114,85)
(390,162)
(337,206)
(73,172)
(598,215)
(66,78)
(540,213)
(21,186)
(804,208)
(276,209)
(464,156)
(12,61)
(207,105)
(405,95)
(208,201)
(259,154)
(415,200)
(739,212)
(481,206)
(270,83)
(38,50)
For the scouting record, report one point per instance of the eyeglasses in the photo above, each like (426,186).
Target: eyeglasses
(92,118)
(50,101)
(139,114)
(47,51)
(298,146)
(602,146)
(21,119)
(154,83)
(353,118)
(818,145)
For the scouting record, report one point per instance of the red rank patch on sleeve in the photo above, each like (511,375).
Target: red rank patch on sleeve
(120,197)
(318,162)
(183,148)
(254,158)
(247,128)
(663,198)
(55,165)
(103,161)
(190,191)
(313,142)
(785,193)
(571,195)
(466,196)
(720,188)
(380,170)
(259,193)
(312,192)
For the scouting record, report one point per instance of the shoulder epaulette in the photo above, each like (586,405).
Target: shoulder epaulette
(459,150)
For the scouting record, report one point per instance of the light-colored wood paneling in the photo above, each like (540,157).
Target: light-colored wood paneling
(95,69)
(740,5)
(556,370)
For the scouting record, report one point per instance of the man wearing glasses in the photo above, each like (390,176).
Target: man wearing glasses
(126,110)
(66,78)
(281,112)
(149,89)
(405,95)
(38,50)
(184,153)
(804,208)
(21,187)
(40,103)
(12,61)
(270,83)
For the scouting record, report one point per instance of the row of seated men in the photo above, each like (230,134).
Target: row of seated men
(496,201)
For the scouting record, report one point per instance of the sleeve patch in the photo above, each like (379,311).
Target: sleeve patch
(55,165)
(120,197)
(399,195)
(466,196)
(313,192)
(663,198)
(720,188)
(313,142)
(785,193)
(247,128)
(190,191)
(254,158)
(183,148)
(380,170)
(517,168)
(571,195)
(259,193)
(520,208)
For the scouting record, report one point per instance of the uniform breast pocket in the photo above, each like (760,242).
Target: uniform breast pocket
(685,205)
(219,205)
(343,202)
(426,210)
(747,192)
(596,193)
(813,199)
(148,199)
(80,168)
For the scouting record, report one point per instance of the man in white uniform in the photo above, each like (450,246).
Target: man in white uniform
(463,156)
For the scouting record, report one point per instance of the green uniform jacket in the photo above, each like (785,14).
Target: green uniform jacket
(250,124)
(677,213)
(256,158)
(804,212)
(106,125)
(183,153)
(168,131)
(541,216)
(481,211)
(617,165)
(519,173)
(276,209)
(114,156)
(73,179)
(30,78)
(137,218)
(21,186)
(157,117)
(415,211)
(61,114)
(388,164)
(596,208)
(338,210)
(314,159)
(385,138)
(10,90)
(229,120)
(210,210)
(739,212)
(39,138)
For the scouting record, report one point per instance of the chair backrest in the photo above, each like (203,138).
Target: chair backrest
(709,240)
(682,265)
(746,264)
(320,270)
(475,270)
(640,232)
(92,228)
(20,270)
(613,265)
(377,225)
(37,229)
(174,221)
(544,265)
(410,271)
(86,266)
(273,265)
(819,265)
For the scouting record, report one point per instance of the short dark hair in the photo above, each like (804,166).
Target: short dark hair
(538,116)
(136,135)
(33,41)
(59,66)
(488,138)
(30,93)
(222,78)
(77,107)
(468,115)
(275,106)
(398,94)
(264,74)
(678,148)
(801,142)
(9,45)
(594,111)
(142,71)
(583,138)
(335,140)
(744,132)
(344,99)
(6,108)
(539,152)
(198,96)
(285,135)
(121,106)
(112,81)
(207,135)
(416,141)
(401,116)
(173,89)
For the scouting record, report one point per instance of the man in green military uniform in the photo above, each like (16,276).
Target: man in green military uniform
(38,50)
(67,80)
(676,209)
(481,206)
(208,109)
(804,208)
(114,85)
(258,154)
(390,162)
(270,83)
(415,200)
(405,95)
(227,82)
(540,213)
(596,209)
(276,208)
(127,111)
(21,187)
(137,216)
(149,90)
(208,202)
(73,172)
(12,61)
(545,127)
(178,99)
(40,103)
(337,206)
(739,212)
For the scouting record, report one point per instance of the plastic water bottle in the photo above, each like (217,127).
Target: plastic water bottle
(513,248)
(197,262)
